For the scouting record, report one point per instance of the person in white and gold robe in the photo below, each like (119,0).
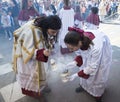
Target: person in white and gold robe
(31,49)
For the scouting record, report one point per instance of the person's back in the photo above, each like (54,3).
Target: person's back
(27,13)
(78,21)
(102,9)
(67,17)
(93,21)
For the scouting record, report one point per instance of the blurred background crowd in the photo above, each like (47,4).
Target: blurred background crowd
(14,13)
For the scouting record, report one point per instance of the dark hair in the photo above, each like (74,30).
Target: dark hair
(24,4)
(66,2)
(94,10)
(77,9)
(48,22)
(73,38)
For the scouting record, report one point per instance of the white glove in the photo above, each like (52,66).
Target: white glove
(72,77)
(71,65)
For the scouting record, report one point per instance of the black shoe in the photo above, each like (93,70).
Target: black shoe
(98,99)
(46,90)
(79,89)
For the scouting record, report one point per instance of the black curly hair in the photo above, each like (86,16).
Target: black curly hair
(94,10)
(48,22)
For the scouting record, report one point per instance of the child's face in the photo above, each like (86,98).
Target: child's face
(52,32)
(74,48)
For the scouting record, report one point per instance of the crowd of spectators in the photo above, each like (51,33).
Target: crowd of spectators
(10,11)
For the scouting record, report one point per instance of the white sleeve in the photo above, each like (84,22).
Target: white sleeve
(93,62)
(34,55)
(78,52)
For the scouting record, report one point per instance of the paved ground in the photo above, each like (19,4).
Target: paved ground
(61,92)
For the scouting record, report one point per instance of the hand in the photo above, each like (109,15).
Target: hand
(71,65)
(83,75)
(72,77)
(31,17)
(47,52)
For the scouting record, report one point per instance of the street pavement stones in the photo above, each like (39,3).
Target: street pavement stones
(5,68)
